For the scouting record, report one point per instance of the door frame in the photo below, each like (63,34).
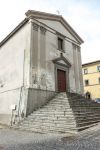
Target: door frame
(63,86)
(63,68)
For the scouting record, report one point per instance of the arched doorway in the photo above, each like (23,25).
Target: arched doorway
(88,95)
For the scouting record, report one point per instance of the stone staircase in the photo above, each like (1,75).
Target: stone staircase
(86,112)
(63,114)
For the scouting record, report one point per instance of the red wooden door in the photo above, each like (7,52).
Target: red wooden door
(61,78)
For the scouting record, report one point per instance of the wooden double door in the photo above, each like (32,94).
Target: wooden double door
(61,80)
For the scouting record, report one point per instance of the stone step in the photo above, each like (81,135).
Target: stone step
(84,102)
(52,116)
(47,125)
(66,119)
(86,126)
(85,108)
(81,120)
(88,115)
(82,99)
(66,113)
(84,105)
(52,107)
(62,116)
(50,130)
(59,103)
(50,122)
(61,95)
(87,123)
(53,111)
(83,112)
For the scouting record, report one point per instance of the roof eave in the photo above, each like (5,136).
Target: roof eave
(14,31)
(90,63)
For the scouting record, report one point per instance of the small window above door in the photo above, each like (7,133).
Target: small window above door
(60,44)
(60,41)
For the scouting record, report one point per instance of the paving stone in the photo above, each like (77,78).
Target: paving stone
(17,140)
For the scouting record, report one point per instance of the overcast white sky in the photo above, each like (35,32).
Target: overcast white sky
(82,15)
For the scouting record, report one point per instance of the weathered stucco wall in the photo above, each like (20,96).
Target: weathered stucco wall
(38,98)
(14,66)
(43,76)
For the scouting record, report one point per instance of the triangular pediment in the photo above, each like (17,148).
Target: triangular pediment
(54,17)
(62,61)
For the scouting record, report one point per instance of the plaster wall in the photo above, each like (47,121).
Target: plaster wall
(48,49)
(72,54)
(80,72)
(42,85)
(77,67)
(92,76)
(53,53)
(37,98)
(44,49)
(14,66)
(42,78)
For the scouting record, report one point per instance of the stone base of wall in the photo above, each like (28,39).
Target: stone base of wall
(38,98)
(7,99)
(30,100)
(5,119)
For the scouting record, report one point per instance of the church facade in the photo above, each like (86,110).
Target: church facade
(40,57)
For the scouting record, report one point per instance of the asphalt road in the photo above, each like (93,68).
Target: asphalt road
(19,140)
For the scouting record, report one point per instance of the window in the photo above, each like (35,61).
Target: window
(60,43)
(98,68)
(99,80)
(86,82)
(85,71)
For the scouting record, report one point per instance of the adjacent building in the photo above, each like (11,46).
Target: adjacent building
(40,57)
(91,79)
